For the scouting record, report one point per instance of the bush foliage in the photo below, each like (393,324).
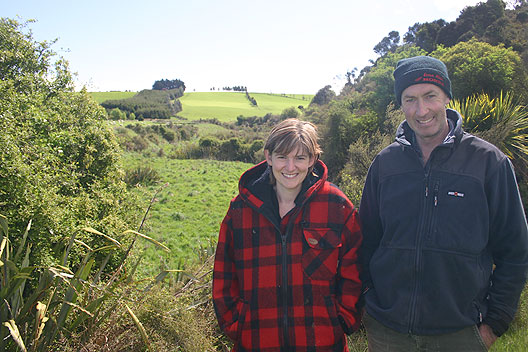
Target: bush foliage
(58,158)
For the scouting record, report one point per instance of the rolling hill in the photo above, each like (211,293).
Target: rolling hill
(224,106)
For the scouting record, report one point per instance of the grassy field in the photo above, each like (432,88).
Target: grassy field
(189,210)
(103,96)
(226,106)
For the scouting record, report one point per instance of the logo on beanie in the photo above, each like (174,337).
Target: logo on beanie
(430,77)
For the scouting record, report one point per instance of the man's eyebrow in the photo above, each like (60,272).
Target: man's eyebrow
(415,95)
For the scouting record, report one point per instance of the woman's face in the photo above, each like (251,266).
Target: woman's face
(289,170)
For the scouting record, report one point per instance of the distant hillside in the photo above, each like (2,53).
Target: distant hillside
(148,104)
(224,106)
(227,106)
(114,95)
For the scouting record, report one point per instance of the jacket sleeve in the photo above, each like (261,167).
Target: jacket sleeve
(508,242)
(226,296)
(348,282)
(371,228)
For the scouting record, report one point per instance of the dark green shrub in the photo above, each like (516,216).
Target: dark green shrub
(289,113)
(143,175)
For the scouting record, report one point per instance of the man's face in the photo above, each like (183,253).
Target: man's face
(424,108)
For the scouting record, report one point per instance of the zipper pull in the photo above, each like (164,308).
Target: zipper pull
(436,190)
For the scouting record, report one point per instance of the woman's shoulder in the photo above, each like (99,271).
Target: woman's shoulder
(334,194)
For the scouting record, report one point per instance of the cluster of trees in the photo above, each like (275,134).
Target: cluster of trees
(362,119)
(236,88)
(152,104)
(167,84)
(489,22)
(323,96)
(251,99)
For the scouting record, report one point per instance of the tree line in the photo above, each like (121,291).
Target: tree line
(167,84)
(488,69)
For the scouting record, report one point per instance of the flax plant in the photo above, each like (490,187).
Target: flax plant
(498,120)
(65,301)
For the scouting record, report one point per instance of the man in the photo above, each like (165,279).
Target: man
(445,248)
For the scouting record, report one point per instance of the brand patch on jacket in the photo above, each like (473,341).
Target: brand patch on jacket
(455,194)
(313,241)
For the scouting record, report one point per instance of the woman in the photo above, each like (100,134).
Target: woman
(286,270)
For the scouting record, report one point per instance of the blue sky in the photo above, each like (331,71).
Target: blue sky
(285,46)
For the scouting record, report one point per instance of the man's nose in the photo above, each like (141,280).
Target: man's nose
(421,108)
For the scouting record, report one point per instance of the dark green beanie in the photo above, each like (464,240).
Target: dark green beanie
(420,69)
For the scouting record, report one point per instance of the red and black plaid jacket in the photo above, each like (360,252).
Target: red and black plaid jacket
(288,284)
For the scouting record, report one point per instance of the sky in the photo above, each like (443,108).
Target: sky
(269,46)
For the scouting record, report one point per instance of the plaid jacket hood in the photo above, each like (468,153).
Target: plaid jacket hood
(288,284)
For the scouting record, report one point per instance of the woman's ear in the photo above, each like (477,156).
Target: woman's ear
(268,156)
(313,160)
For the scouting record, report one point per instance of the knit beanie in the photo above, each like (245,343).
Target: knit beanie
(420,69)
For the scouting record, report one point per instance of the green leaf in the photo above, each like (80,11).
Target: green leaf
(3,225)
(140,327)
(148,239)
(94,231)
(23,242)
(15,333)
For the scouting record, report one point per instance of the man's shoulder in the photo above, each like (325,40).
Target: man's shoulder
(391,153)
(478,146)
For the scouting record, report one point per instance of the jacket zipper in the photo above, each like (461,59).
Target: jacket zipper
(284,289)
(417,259)
(426,225)
(284,264)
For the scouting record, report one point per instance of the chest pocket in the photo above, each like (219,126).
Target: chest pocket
(320,253)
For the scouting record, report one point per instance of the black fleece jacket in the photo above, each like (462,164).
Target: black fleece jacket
(445,245)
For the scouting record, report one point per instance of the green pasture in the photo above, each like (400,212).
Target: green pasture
(103,96)
(189,209)
(227,106)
